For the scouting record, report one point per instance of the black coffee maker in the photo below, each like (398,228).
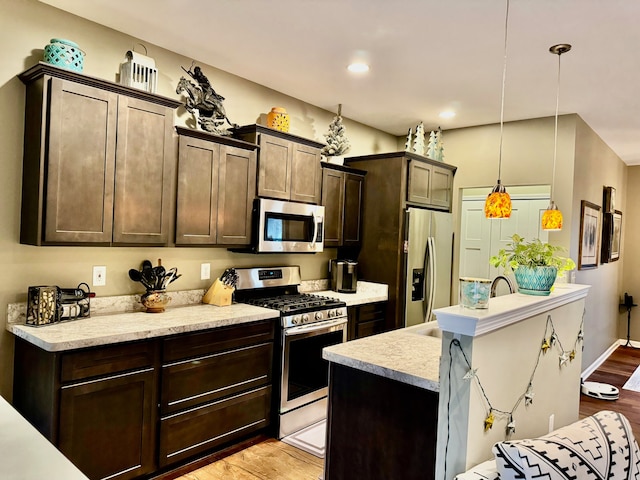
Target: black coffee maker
(343,275)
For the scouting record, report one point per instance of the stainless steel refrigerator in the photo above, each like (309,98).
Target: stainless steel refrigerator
(428,255)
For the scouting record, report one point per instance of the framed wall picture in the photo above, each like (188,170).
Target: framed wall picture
(611,231)
(609,200)
(589,224)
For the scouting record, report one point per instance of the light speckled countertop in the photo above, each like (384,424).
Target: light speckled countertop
(106,326)
(366,292)
(407,355)
(126,327)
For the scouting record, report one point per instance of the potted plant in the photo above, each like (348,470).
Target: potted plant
(535,264)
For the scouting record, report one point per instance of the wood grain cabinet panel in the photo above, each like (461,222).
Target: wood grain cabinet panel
(99,161)
(107,425)
(288,165)
(342,191)
(216,188)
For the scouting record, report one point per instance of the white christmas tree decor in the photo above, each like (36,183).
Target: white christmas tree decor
(407,144)
(337,141)
(418,140)
(431,148)
(439,146)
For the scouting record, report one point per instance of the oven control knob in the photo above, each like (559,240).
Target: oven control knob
(331,313)
(319,316)
(305,318)
(295,320)
(338,312)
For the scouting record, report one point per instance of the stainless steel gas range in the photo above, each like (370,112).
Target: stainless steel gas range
(308,324)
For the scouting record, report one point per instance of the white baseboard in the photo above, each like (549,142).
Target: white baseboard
(600,360)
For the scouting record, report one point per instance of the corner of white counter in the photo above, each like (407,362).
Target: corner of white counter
(505,310)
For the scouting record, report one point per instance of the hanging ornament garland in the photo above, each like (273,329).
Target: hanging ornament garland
(550,341)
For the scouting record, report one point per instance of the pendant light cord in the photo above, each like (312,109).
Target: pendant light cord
(555,137)
(504,81)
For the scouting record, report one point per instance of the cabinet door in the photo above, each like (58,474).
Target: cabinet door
(353,191)
(107,426)
(274,167)
(145,162)
(197,196)
(236,191)
(419,183)
(306,174)
(333,201)
(81,159)
(441,187)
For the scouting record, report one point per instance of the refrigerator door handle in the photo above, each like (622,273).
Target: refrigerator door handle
(430,274)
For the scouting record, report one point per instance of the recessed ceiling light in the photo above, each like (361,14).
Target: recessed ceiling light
(358,67)
(447,114)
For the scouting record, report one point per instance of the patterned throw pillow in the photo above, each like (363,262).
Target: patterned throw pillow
(601,446)
(484,471)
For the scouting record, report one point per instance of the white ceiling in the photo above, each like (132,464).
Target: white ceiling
(425,55)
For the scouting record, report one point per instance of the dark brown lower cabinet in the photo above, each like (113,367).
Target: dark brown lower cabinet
(127,410)
(379,429)
(185,434)
(367,319)
(106,425)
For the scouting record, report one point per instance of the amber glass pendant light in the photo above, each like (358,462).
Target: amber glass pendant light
(498,203)
(552,216)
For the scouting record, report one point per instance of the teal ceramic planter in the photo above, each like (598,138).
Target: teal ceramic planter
(536,280)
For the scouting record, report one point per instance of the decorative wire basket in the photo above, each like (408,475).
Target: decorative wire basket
(65,54)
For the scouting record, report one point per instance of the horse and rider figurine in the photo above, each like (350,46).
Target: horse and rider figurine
(203,99)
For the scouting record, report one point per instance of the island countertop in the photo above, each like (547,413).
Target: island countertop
(125,327)
(409,355)
(26,454)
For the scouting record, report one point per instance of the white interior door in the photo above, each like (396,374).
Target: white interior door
(480,237)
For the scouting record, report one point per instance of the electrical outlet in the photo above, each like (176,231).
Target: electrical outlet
(205,271)
(99,276)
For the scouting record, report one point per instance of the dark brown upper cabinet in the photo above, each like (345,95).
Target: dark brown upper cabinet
(216,188)
(288,165)
(419,180)
(99,161)
(342,190)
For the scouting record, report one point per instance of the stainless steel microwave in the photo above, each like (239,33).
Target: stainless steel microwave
(287,227)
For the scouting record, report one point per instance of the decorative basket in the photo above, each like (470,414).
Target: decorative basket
(65,54)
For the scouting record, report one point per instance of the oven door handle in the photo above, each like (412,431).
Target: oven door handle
(314,327)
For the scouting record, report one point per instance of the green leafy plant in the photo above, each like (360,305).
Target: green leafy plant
(531,254)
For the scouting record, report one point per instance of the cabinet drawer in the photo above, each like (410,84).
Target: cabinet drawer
(192,382)
(194,431)
(218,340)
(107,360)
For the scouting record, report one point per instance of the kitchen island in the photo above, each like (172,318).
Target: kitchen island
(397,400)
(383,405)
(26,454)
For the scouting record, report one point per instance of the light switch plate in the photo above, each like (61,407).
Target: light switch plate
(99,276)
(205,271)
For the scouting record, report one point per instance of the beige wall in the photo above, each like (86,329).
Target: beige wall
(631,261)
(596,166)
(26,26)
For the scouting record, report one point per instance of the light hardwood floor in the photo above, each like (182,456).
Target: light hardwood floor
(274,460)
(267,460)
